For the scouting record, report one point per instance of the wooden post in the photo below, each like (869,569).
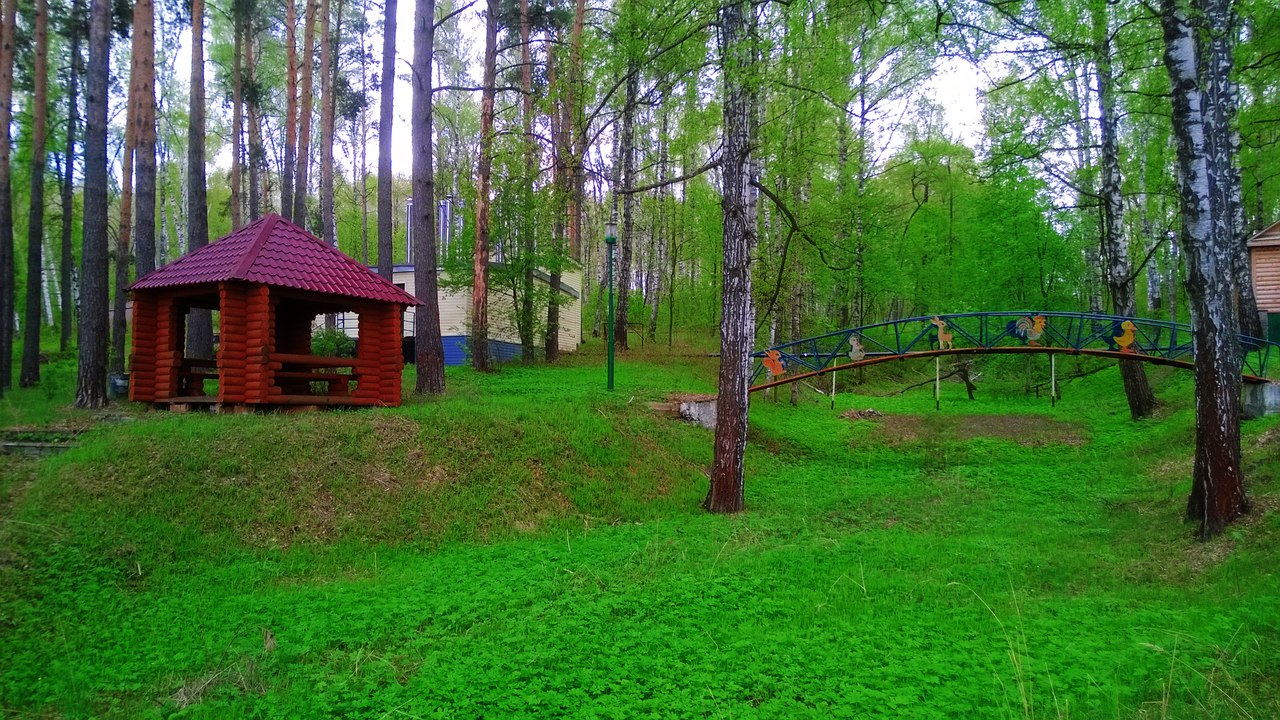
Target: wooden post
(833,391)
(937,383)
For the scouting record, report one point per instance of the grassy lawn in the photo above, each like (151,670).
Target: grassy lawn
(532,545)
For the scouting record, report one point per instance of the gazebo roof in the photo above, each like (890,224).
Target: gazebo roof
(274,251)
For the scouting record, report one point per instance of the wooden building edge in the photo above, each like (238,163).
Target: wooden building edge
(1264,262)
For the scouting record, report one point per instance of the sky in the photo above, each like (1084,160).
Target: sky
(955,87)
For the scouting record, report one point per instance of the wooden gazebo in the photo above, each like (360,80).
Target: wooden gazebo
(268,282)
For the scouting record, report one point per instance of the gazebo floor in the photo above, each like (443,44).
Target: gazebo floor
(291,403)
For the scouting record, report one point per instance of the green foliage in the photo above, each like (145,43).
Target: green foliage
(509,550)
(332,342)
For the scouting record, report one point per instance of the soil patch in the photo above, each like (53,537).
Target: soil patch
(1028,430)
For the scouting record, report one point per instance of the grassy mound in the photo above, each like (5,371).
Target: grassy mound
(531,545)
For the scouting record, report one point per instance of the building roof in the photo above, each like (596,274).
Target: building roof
(274,251)
(1267,236)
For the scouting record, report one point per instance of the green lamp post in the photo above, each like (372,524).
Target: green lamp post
(610,239)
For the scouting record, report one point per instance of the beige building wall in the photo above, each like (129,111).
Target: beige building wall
(455,312)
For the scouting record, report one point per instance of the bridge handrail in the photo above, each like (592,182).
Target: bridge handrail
(1083,330)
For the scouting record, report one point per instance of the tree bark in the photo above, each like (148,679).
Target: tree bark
(291,108)
(1142,401)
(427,340)
(737,322)
(66,316)
(480,282)
(304,116)
(256,155)
(144,232)
(526,189)
(386,121)
(8,20)
(328,99)
(91,377)
(35,218)
(558,116)
(1217,492)
(628,148)
(237,121)
(200,322)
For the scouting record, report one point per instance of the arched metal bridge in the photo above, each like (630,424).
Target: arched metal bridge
(1108,336)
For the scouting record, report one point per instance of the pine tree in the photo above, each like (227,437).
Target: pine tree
(91,382)
(35,217)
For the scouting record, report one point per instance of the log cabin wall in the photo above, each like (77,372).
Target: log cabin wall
(259,342)
(171,330)
(233,342)
(142,361)
(1266,276)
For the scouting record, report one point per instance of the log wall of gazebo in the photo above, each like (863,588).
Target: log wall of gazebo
(264,349)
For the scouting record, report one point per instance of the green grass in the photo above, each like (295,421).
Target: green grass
(531,544)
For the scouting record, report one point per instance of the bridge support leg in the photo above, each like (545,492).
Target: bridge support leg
(1053,380)
(937,383)
(1260,400)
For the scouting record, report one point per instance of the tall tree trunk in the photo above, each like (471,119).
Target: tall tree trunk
(8,20)
(737,323)
(67,260)
(328,100)
(429,345)
(363,163)
(576,127)
(237,123)
(304,115)
(200,322)
(291,108)
(558,117)
(256,154)
(628,146)
(480,283)
(35,218)
(91,377)
(1142,401)
(124,234)
(144,233)
(1217,491)
(386,119)
(526,188)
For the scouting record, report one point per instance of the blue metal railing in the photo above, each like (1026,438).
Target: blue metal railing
(1050,332)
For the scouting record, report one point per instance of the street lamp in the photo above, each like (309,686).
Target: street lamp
(610,239)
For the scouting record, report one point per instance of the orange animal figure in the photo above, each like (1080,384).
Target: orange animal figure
(1126,338)
(773,363)
(945,339)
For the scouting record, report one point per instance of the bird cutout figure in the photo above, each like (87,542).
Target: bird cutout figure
(856,352)
(1028,328)
(773,363)
(945,339)
(1126,337)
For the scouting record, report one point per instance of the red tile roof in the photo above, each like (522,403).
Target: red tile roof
(274,251)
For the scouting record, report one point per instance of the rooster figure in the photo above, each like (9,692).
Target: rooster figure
(773,363)
(1028,328)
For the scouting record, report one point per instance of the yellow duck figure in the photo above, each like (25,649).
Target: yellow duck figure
(1125,339)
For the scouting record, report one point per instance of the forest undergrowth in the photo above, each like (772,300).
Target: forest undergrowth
(530,544)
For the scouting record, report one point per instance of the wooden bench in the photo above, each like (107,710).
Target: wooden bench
(297,368)
(192,373)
